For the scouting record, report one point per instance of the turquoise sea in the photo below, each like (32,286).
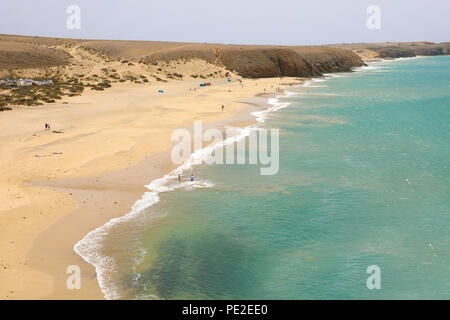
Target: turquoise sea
(364,179)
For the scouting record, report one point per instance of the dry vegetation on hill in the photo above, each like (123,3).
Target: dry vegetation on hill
(17,55)
(75,64)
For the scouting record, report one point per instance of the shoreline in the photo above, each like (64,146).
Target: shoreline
(81,204)
(89,194)
(261,108)
(90,246)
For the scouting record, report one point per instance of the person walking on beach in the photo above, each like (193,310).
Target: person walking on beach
(179,177)
(223,107)
(192,177)
(46,126)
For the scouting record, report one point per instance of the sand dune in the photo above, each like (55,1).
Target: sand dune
(19,55)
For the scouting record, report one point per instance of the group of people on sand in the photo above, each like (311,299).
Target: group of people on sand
(47,126)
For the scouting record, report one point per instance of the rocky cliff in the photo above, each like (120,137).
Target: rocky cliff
(252,61)
(394,50)
(266,61)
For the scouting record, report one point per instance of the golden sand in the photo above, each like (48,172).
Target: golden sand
(56,187)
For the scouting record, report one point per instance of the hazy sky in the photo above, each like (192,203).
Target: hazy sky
(285,22)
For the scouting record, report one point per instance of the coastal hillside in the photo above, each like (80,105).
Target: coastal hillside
(75,65)
(392,50)
(247,61)
(19,54)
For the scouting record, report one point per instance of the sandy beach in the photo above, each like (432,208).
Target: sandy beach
(57,186)
(111,132)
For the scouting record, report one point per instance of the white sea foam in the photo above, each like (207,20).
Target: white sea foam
(367,68)
(313,83)
(275,106)
(336,75)
(89,247)
(308,84)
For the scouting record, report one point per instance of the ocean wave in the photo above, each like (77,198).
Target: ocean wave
(313,83)
(366,68)
(90,246)
(337,75)
(276,105)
